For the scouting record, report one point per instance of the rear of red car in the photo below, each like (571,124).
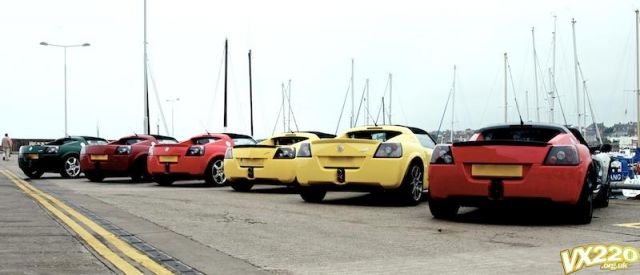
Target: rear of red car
(510,163)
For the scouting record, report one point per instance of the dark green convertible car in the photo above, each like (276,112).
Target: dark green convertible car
(59,156)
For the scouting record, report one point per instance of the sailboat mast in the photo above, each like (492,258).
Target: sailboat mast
(505,88)
(535,72)
(453,101)
(638,75)
(390,94)
(383,116)
(353,99)
(552,91)
(284,110)
(226,51)
(575,65)
(366,117)
(146,126)
(288,92)
(250,94)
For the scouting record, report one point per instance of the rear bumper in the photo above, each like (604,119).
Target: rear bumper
(186,166)
(272,170)
(552,183)
(119,165)
(46,163)
(372,174)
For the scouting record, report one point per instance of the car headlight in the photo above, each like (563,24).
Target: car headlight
(123,150)
(229,153)
(305,150)
(51,149)
(195,150)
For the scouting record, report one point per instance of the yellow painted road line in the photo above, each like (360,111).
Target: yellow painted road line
(99,247)
(121,245)
(635,225)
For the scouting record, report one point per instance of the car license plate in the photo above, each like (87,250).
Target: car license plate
(99,157)
(168,158)
(250,172)
(496,170)
(33,156)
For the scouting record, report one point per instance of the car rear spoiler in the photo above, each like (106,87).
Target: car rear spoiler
(344,140)
(500,142)
(255,146)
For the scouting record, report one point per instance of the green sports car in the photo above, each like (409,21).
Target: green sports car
(59,156)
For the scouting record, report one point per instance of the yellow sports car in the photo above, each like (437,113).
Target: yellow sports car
(270,161)
(374,158)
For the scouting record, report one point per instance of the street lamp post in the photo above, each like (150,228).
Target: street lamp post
(172,101)
(66,133)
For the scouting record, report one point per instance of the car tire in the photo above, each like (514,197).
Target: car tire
(241,185)
(214,175)
(582,211)
(412,188)
(443,209)
(164,181)
(312,195)
(602,198)
(70,167)
(139,172)
(33,174)
(94,177)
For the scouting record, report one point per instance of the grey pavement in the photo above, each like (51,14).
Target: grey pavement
(219,231)
(33,242)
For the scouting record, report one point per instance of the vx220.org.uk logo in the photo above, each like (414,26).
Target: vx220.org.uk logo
(608,257)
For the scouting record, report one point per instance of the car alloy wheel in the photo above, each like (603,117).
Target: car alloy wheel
(72,167)
(417,186)
(217,172)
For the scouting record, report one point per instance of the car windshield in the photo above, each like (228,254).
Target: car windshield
(520,134)
(243,141)
(61,141)
(131,141)
(202,141)
(96,142)
(374,135)
(426,141)
(287,140)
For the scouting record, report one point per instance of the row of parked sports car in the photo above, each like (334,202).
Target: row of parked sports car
(523,162)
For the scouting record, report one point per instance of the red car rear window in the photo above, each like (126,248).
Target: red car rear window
(520,134)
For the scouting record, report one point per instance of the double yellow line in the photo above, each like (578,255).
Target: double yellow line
(50,203)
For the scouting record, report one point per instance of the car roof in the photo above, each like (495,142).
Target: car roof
(233,135)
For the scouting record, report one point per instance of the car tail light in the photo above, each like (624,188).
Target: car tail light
(196,150)
(562,155)
(442,155)
(123,150)
(388,150)
(229,153)
(305,150)
(285,153)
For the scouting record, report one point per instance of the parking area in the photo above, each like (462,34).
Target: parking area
(270,229)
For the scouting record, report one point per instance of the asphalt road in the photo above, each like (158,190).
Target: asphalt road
(271,230)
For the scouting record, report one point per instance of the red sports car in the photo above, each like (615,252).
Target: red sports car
(124,157)
(198,157)
(525,162)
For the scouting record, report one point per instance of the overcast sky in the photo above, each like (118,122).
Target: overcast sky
(311,43)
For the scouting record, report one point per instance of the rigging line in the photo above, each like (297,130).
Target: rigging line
(155,91)
(515,97)
(355,122)
(277,119)
(588,97)
(564,117)
(443,115)
(378,115)
(346,95)
(215,89)
(291,110)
